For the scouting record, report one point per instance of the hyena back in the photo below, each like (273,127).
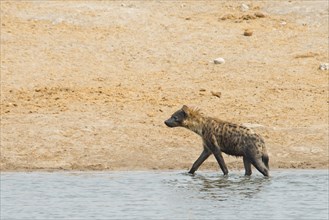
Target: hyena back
(219,136)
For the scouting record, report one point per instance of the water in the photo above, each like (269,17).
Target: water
(288,194)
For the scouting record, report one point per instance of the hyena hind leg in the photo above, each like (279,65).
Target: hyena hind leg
(247,166)
(265,160)
(260,166)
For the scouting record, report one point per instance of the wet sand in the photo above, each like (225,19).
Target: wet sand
(87,85)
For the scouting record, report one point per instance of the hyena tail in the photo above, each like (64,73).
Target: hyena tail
(265,160)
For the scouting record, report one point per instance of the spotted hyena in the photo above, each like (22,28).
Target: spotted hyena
(220,136)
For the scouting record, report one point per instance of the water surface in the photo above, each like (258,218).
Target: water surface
(287,194)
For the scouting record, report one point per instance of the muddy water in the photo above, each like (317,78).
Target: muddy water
(288,194)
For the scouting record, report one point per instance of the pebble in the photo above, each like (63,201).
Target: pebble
(57,21)
(217,94)
(259,15)
(244,7)
(324,66)
(247,32)
(228,17)
(248,17)
(219,60)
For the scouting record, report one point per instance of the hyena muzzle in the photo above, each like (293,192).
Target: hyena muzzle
(220,136)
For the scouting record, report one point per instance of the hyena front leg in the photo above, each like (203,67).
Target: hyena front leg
(203,156)
(247,166)
(215,149)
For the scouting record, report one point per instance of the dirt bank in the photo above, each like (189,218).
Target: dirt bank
(87,85)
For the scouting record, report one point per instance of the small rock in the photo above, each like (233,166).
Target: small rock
(228,17)
(244,7)
(259,15)
(57,21)
(283,23)
(248,17)
(247,32)
(217,94)
(324,66)
(219,60)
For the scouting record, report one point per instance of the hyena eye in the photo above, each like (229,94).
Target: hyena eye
(175,118)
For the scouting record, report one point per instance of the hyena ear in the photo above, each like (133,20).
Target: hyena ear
(185,109)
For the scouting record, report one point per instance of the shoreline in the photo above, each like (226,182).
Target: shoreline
(211,166)
(149,170)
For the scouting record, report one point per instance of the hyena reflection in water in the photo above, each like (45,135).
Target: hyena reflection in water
(220,136)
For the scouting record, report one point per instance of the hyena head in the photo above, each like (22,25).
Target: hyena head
(185,117)
(177,119)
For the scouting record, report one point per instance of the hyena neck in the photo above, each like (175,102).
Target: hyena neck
(196,125)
